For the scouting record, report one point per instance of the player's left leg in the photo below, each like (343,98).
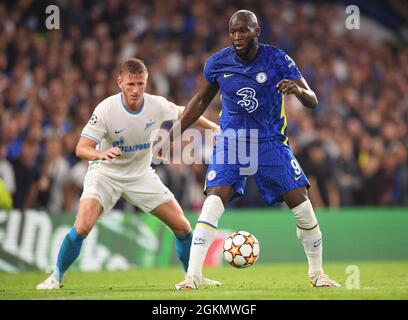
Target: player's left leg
(280,177)
(309,234)
(150,195)
(172,215)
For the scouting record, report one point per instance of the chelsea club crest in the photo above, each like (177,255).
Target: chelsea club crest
(261,77)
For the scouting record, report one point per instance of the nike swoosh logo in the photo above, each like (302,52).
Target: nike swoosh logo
(149,124)
(228,75)
(315,245)
(297,178)
(119,131)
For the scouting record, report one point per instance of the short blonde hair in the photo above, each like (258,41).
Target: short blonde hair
(133,66)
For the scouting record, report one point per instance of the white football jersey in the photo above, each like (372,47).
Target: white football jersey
(112,125)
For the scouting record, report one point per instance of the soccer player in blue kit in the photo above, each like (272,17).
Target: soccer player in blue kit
(253,79)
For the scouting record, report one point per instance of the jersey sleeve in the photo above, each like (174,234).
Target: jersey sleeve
(170,111)
(208,72)
(287,67)
(96,128)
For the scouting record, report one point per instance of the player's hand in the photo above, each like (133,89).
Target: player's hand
(288,87)
(110,154)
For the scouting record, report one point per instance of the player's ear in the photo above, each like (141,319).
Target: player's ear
(119,81)
(258,31)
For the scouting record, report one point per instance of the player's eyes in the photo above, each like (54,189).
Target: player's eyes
(245,30)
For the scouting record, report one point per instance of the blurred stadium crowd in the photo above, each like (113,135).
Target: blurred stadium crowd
(353,147)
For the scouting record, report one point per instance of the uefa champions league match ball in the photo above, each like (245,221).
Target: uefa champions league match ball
(241,249)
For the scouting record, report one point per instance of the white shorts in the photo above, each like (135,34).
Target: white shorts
(146,192)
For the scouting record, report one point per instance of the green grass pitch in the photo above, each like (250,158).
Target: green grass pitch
(378,280)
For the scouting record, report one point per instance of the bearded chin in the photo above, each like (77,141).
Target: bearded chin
(249,48)
(252,45)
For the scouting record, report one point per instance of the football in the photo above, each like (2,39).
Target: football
(241,249)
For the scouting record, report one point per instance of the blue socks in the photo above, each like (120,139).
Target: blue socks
(71,247)
(183,244)
(69,251)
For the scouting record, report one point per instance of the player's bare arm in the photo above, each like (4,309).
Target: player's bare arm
(198,104)
(86,150)
(300,89)
(195,108)
(202,122)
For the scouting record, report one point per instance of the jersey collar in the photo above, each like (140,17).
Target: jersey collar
(127,110)
(258,53)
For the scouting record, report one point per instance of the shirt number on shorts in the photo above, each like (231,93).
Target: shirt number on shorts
(248,101)
(296,166)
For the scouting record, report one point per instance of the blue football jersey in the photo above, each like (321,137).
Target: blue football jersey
(249,97)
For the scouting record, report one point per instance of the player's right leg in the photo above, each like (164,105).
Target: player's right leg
(88,213)
(172,215)
(99,195)
(203,236)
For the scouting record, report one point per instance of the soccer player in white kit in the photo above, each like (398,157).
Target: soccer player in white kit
(118,142)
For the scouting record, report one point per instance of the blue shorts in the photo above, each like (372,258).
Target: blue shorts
(278,173)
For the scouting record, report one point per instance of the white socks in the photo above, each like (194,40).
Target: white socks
(309,235)
(204,233)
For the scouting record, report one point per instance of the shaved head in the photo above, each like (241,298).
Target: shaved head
(243,33)
(245,16)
